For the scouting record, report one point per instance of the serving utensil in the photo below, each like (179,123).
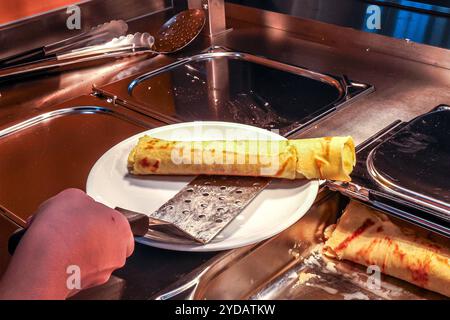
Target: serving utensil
(140,225)
(174,35)
(204,207)
(138,222)
(179,31)
(97,35)
(196,214)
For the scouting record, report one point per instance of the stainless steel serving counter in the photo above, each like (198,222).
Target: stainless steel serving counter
(404,87)
(409,79)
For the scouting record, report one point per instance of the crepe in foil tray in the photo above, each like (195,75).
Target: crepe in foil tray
(369,237)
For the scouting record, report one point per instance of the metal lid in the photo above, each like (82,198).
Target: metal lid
(404,169)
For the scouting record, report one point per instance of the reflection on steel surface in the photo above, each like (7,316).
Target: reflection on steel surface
(239,87)
(403,19)
(43,155)
(414,163)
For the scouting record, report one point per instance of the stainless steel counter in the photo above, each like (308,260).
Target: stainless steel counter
(27,97)
(404,88)
(409,79)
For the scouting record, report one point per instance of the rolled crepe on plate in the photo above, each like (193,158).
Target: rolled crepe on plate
(331,158)
(369,237)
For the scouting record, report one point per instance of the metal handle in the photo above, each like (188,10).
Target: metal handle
(14,240)
(24,57)
(52,64)
(99,34)
(138,221)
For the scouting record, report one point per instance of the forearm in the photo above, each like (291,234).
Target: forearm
(15,286)
(33,274)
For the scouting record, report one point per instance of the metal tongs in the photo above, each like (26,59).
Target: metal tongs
(118,47)
(97,35)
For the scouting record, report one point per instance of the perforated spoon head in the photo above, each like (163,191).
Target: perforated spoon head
(179,31)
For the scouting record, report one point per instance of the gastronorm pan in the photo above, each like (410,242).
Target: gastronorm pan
(56,149)
(236,87)
(291,266)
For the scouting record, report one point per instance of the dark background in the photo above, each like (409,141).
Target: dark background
(424,21)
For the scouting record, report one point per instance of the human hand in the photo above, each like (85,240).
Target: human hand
(70,229)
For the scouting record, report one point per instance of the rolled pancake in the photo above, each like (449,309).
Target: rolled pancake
(369,237)
(330,158)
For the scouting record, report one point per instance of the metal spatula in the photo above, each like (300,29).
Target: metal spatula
(202,209)
(198,213)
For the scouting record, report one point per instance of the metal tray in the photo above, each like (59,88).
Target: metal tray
(237,87)
(56,149)
(290,266)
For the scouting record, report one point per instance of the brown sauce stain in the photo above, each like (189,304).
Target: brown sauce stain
(433,246)
(319,167)
(443,260)
(151,144)
(388,240)
(400,254)
(365,252)
(165,146)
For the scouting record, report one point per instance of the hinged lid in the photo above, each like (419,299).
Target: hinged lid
(405,170)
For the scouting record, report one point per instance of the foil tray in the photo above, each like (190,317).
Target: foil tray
(404,170)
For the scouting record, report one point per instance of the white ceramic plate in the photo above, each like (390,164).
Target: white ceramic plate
(276,208)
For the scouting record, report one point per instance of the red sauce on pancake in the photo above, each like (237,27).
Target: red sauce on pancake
(145,163)
(419,273)
(344,244)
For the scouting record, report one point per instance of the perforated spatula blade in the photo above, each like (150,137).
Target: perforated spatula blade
(208,204)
